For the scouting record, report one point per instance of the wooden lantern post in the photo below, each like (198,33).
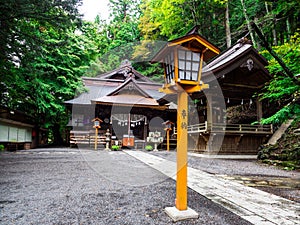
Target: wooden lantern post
(97,122)
(168,127)
(182,60)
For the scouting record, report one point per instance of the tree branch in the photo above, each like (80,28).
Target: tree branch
(277,58)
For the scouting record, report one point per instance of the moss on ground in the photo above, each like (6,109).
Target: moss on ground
(286,152)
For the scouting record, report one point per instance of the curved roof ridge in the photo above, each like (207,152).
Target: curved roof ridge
(129,80)
(125,68)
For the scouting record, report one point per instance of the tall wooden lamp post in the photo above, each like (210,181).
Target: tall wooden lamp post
(168,127)
(182,60)
(97,122)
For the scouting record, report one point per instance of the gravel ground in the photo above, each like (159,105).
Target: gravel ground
(249,172)
(69,186)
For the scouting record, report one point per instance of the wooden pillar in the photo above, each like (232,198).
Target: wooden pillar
(259,110)
(145,130)
(182,135)
(210,121)
(209,111)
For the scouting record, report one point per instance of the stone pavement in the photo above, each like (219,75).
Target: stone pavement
(255,206)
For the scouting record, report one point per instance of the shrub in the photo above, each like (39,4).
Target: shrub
(115,147)
(1,148)
(149,148)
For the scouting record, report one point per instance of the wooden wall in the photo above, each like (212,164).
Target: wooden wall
(230,143)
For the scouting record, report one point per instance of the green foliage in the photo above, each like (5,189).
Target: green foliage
(149,148)
(124,10)
(115,147)
(286,153)
(165,19)
(21,23)
(116,39)
(283,114)
(282,89)
(47,58)
(153,71)
(290,54)
(2,148)
(45,48)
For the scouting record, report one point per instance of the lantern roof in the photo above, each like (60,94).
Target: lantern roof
(192,41)
(97,119)
(167,122)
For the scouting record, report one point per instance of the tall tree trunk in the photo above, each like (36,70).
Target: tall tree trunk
(258,43)
(58,140)
(288,27)
(274,33)
(227,26)
(193,8)
(248,23)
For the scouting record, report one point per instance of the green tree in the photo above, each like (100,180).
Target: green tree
(283,90)
(165,20)
(20,19)
(54,75)
(43,56)
(117,38)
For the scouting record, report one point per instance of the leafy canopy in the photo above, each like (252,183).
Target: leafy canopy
(282,89)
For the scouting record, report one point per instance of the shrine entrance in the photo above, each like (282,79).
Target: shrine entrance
(129,128)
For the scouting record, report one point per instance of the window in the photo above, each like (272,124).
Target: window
(169,67)
(188,63)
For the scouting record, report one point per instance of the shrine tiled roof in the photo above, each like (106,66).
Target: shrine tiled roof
(102,86)
(233,58)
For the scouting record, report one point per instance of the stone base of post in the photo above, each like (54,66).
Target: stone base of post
(177,215)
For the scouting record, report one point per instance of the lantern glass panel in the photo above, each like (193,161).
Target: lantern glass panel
(195,66)
(181,65)
(169,67)
(181,54)
(196,57)
(194,75)
(96,123)
(188,55)
(189,64)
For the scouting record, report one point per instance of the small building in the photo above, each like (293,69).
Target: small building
(126,102)
(17,130)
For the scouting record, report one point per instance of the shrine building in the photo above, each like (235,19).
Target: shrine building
(130,106)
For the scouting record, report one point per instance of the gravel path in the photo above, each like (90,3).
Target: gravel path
(249,172)
(69,186)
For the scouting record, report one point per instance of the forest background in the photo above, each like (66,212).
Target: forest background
(46,47)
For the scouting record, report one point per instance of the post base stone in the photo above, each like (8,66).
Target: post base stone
(177,215)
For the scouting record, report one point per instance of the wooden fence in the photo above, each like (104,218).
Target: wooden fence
(229,128)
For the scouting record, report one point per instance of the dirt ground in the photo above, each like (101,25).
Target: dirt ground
(69,186)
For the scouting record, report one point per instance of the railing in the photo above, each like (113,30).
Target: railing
(229,128)
(85,138)
(197,128)
(242,128)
